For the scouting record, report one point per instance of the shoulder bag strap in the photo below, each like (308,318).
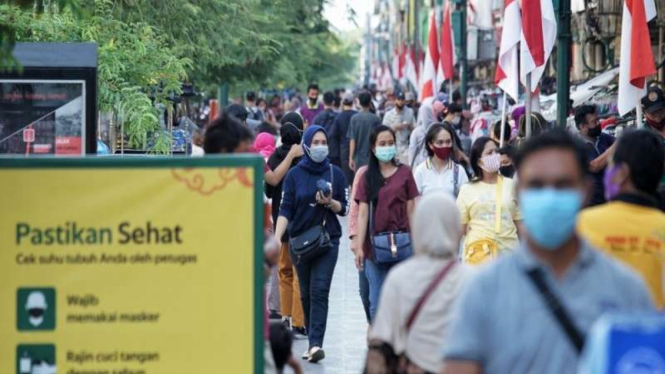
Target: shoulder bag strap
(499,205)
(455,178)
(555,307)
(371,220)
(428,292)
(332,189)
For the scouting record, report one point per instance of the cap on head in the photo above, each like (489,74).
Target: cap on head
(438,108)
(654,100)
(399,95)
(348,98)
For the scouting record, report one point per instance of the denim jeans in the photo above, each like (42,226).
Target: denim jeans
(376,274)
(364,293)
(315,277)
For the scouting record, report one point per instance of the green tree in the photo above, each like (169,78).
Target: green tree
(148,47)
(137,69)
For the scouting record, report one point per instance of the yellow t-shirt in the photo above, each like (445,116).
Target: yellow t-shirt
(633,234)
(477,204)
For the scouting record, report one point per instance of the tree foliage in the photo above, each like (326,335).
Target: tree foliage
(148,47)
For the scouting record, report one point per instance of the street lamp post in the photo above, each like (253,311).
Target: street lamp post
(564,40)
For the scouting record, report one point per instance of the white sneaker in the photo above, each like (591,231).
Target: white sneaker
(316,354)
(305,356)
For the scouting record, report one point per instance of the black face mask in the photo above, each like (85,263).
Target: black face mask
(36,312)
(313,101)
(507,171)
(594,132)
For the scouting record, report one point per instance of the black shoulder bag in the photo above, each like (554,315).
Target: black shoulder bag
(556,308)
(314,242)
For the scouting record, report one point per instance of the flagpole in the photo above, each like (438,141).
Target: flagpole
(528,105)
(638,115)
(503,119)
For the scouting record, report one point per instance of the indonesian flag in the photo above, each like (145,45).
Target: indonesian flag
(402,61)
(538,37)
(428,88)
(386,79)
(448,57)
(636,55)
(507,75)
(410,71)
(395,69)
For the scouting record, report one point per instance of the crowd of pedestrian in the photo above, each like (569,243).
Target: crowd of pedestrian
(478,251)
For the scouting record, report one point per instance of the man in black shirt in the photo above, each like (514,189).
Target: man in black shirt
(326,120)
(341,126)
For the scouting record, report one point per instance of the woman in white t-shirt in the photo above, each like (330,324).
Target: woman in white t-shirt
(440,172)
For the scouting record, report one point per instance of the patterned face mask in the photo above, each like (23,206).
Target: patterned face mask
(490,163)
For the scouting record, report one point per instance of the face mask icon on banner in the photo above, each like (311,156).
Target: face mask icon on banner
(36,306)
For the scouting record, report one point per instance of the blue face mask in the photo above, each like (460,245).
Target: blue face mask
(317,153)
(385,154)
(550,215)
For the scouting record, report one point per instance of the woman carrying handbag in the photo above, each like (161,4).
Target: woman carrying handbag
(315,192)
(490,214)
(414,317)
(386,200)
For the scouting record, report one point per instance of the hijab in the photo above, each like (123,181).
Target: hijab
(291,133)
(436,228)
(306,162)
(265,144)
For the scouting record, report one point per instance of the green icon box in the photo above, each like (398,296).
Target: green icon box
(35,358)
(35,309)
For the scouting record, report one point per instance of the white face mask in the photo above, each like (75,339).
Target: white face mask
(318,153)
(36,321)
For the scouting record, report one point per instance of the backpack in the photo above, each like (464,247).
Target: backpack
(625,343)
(328,120)
(255,114)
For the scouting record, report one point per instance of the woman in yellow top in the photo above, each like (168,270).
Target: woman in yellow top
(490,216)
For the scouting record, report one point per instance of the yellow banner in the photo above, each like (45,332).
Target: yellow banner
(131,267)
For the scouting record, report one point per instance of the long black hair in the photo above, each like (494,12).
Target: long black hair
(432,134)
(373,178)
(476,153)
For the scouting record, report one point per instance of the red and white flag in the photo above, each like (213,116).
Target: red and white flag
(636,54)
(507,75)
(538,37)
(410,70)
(395,71)
(429,88)
(447,55)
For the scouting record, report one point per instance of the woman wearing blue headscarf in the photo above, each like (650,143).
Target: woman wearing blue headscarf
(315,192)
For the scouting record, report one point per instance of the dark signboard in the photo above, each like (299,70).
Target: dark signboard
(53,111)
(50,106)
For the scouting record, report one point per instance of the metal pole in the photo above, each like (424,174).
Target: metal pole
(416,37)
(528,105)
(463,55)
(639,123)
(661,41)
(503,119)
(368,48)
(564,40)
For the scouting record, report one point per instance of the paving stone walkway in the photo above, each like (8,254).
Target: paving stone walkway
(345,342)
